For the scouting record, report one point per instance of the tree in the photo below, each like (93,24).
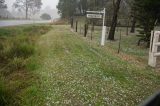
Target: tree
(28,6)
(67,8)
(2,4)
(83,6)
(45,16)
(133,15)
(114,19)
(147,15)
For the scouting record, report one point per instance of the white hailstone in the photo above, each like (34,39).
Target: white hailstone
(57,102)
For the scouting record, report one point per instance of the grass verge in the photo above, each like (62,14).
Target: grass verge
(77,71)
(17,49)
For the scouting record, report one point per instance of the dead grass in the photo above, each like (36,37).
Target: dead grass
(60,22)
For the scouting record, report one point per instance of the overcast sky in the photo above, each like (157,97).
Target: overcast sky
(50,3)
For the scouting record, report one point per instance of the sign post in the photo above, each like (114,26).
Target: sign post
(98,14)
(103,29)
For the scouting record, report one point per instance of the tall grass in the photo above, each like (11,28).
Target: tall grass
(21,50)
(17,45)
(6,97)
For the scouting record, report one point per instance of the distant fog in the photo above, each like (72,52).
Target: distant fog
(49,6)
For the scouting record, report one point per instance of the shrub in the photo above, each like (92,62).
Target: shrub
(45,16)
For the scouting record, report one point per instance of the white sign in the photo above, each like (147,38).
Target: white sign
(94,16)
(98,14)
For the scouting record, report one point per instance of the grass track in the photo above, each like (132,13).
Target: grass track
(75,71)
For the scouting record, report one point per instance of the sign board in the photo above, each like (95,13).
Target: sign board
(94,16)
(98,14)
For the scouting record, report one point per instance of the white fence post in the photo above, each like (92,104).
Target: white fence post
(153,52)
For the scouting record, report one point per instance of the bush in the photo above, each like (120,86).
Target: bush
(45,16)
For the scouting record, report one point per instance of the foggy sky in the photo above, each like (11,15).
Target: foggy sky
(50,3)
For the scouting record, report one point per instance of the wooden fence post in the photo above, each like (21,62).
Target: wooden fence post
(127,27)
(72,21)
(85,30)
(119,46)
(92,30)
(80,28)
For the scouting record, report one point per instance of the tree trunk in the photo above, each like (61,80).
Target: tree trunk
(26,13)
(72,21)
(26,9)
(114,20)
(133,25)
(85,30)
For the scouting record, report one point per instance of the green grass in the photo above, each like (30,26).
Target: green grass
(17,49)
(5,96)
(28,30)
(77,71)
(63,68)
(128,43)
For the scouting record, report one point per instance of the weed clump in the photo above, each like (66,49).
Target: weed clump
(23,50)
(14,65)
